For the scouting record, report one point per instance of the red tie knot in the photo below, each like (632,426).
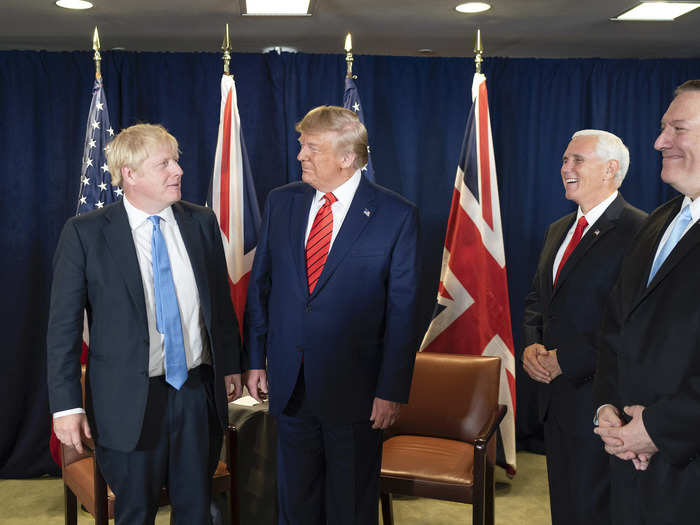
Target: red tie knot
(582,222)
(330,199)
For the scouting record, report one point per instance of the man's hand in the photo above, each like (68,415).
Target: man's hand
(256,381)
(609,417)
(532,365)
(384,413)
(234,387)
(631,441)
(548,359)
(70,430)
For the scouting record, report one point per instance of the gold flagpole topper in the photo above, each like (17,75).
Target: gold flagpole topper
(226,46)
(97,58)
(478,49)
(348,55)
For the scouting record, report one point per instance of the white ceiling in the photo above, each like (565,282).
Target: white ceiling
(513,28)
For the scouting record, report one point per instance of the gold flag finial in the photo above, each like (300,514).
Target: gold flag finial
(97,58)
(478,49)
(226,46)
(348,54)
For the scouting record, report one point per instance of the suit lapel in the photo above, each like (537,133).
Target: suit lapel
(297,231)
(551,248)
(689,241)
(117,233)
(360,213)
(597,230)
(192,238)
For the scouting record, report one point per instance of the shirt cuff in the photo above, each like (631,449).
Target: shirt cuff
(62,413)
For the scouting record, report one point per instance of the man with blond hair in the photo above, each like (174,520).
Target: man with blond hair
(578,265)
(164,348)
(331,314)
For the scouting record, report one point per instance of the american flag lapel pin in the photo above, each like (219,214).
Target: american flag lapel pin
(367,212)
(596,233)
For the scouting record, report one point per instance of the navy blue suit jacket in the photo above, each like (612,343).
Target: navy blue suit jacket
(357,331)
(96,268)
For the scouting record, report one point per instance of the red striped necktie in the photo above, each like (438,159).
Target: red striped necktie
(319,242)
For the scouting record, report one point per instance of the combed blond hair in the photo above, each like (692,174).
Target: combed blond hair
(133,145)
(350,133)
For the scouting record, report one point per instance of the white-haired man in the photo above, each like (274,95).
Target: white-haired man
(577,268)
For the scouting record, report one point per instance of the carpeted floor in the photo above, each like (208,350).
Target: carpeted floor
(524,500)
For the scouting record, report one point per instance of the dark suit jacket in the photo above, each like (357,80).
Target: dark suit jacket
(649,354)
(357,331)
(96,267)
(568,316)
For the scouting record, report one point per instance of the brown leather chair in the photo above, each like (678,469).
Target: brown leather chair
(83,481)
(442,445)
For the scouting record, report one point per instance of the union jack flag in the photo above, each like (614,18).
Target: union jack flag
(351,101)
(232,197)
(96,188)
(472,314)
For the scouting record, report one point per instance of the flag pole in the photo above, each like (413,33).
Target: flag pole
(348,55)
(226,46)
(478,49)
(97,58)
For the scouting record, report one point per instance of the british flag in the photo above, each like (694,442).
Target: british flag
(351,101)
(232,197)
(472,314)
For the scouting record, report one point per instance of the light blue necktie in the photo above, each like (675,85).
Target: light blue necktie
(167,311)
(676,233)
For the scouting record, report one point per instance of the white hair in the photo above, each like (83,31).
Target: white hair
(609,147)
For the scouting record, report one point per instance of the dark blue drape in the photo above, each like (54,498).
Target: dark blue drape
(416,110)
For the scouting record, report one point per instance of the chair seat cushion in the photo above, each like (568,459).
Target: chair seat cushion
(428,467)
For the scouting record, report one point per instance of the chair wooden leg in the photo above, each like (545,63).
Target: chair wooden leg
(489,495)
(71,506)
(387,509)
(231,455)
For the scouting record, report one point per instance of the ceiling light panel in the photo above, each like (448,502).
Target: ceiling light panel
(658,11)
(74,4)
(277,7)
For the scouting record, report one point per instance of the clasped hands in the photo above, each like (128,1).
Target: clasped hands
(541,364)
(629,441)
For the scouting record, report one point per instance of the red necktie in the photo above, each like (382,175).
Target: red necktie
(578,233)
(319,242)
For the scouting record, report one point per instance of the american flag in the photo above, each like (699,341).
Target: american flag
(351,101)
(96,188)
(96,191)
(232,197)
(472,314)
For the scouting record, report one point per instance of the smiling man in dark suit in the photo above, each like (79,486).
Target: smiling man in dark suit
(164,348)
(332,313)
(648,381)
(577,269)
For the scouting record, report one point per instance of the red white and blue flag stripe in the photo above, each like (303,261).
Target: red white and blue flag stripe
(233,199)
(472,314)
(351,101)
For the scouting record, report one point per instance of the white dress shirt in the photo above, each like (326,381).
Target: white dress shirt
(193,329)
(694,214)
(591,217)
(344,193)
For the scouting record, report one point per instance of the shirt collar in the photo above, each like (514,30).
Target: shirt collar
(138,217)
(694,207)
(345,192)
(596,211)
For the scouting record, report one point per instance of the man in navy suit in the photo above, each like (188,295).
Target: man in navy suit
(164,349)
(648,379)
(332,313)
(578,265)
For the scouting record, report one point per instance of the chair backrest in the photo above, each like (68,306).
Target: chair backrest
(452,396)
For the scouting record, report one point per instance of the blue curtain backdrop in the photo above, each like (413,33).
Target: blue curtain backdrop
(416,112)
